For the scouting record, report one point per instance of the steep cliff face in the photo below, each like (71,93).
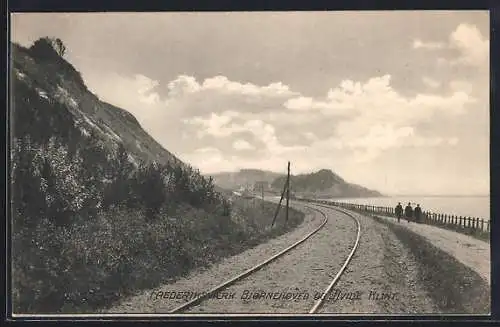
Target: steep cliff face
(99,210)
(85,177)
(44,82)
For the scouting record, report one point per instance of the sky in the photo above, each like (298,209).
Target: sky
(397,101)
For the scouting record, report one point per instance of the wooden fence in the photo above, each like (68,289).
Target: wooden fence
(464,224)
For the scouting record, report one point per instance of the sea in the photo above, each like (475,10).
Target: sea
(470,206)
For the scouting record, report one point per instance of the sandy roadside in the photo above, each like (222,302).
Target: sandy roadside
(470,251)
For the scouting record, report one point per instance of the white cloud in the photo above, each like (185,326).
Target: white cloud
(305,104)
(467,39)
(374,118)
(376,101)
(216,125)
(184,84)
(453,141)
(430,82)
(242,145)
(345,99)
(310,136)
(222,83)
(355,121)
(473,46)
(418,44)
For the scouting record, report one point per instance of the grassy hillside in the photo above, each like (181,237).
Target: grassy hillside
(99,209)
(323,183)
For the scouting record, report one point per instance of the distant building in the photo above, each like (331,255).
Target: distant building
(257,187)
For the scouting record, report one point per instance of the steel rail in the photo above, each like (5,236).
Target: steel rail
(321,300)
(251,270)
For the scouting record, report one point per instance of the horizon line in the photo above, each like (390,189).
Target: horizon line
(439,195)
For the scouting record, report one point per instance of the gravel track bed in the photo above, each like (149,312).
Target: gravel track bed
(307,269)
(203,279)
(382,277)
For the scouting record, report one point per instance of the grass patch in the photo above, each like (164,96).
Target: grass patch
(454,287)
(87,267)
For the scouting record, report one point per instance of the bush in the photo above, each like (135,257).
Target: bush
(45,48)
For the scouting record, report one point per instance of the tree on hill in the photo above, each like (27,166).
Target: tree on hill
(59,47)
(48,46)
(119,171)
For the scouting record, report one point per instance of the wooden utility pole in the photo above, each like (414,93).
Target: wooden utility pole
(279,204)
(262,187)
(287,191)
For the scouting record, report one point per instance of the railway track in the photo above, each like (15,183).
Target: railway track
(318,303)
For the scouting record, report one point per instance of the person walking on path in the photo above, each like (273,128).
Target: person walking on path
(399,211)
(418,213)
(408,212)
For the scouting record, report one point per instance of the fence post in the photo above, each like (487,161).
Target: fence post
(468,223)
(488,226)
(482,225)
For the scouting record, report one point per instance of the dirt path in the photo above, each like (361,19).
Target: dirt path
(470,251)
